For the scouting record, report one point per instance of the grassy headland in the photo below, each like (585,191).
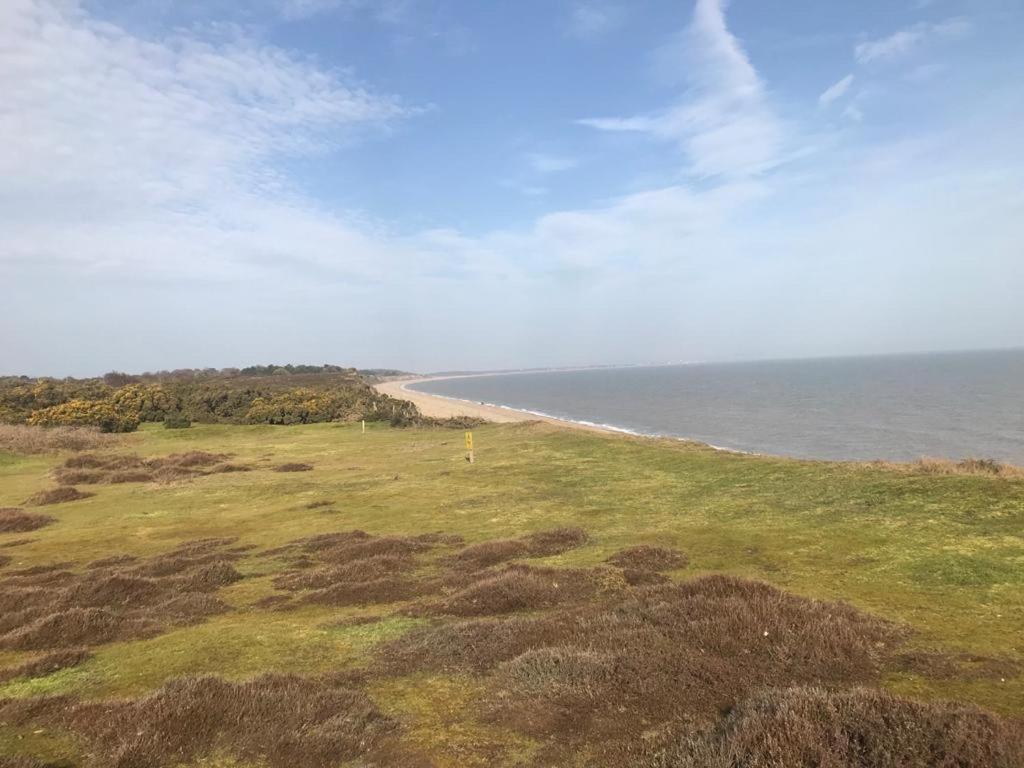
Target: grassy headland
(938,559)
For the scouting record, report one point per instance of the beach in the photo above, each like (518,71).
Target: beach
(440,407)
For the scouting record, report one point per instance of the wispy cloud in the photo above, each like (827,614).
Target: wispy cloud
(543,162)
(725,125)
(165,154)
(905,41)
(592,19)
(835,91)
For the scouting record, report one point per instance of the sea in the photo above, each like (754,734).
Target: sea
(893,407)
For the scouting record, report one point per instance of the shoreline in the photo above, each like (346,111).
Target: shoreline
(443,407)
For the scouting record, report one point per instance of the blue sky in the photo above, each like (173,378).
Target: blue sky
(432,184)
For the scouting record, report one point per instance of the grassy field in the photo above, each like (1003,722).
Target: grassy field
(942,556)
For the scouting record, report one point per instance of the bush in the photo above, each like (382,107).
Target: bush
(147,402)
(85,413)
(177,420)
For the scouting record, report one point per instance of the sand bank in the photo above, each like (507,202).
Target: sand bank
(446,407)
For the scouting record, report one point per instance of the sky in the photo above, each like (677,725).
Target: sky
(445,184)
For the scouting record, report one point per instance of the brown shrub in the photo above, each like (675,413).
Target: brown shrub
(46,665)
(376,567)
(13,520)
(293,467)
(517,588)
(488,553)
(319,504)
(77,626)
(91,469)
(688,650)
(389,589)
(65,476)
(116,598)
(4,560)
(20,438)
(477,645)
(282,720)
(396,546)
(58,495)
(190,608)
(648,558)
(189,460)
(851,729)
(85,461)
(555,542)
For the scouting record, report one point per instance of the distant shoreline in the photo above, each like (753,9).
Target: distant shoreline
(443,407)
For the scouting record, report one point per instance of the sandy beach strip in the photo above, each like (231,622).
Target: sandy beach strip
(447,407)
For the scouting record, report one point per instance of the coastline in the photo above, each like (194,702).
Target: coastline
(441,407)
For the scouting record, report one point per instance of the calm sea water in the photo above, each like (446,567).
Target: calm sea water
(893,407)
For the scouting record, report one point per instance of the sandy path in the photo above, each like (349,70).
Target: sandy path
(444,407)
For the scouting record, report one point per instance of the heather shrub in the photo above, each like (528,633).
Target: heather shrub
(859,728)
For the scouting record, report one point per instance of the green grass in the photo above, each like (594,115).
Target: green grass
(943,554)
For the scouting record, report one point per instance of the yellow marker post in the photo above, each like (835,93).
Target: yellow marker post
(469,447)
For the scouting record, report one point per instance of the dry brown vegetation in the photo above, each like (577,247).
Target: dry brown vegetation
(552,542)
(58,495)
(93,469)
(46,665)
(859,728)
(54,607)
(648,558)
(976,467)
(604,663)
(13,520)
(20,438)
(293,467)
(280,720)
(605,666)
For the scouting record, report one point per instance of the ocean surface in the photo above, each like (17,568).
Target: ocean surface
(950,405)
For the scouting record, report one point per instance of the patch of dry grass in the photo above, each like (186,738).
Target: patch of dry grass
(24,439)
(976,467)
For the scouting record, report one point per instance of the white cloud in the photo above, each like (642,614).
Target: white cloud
(165,154)
(725,126)
(835,91)
(905,41)
(542,162)
(123,159)
(590,20)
